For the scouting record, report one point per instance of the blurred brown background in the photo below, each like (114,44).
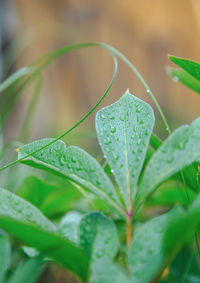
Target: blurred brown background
(145,31)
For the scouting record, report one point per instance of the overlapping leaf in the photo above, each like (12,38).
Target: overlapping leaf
(73,163)
(178,151)
(4,256)
(98,237)
(156,242)
(124,129)
(26,223)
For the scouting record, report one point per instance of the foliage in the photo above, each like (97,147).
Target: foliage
(104,233)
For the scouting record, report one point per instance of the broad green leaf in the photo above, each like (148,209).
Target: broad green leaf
(185,261)
(157,241)
(4,256)
(48,243)
(185,78)
(19,209)
(15,77)
(69,226)
(27,271)
(35,190)
(124,129)
(98,237)
(190,66)
(73,163)
(179,150)
(52,198)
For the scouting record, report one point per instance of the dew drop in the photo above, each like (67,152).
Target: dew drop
(113,130)
(175,79)
(116,156)
(103,116)
(122,118)
(73,159)
(148,90)
(137,110)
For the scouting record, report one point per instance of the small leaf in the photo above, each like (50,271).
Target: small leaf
(27,271)
(74,164)
(4,256)
(178,151)
(185,78)
(98,237)
(190,66)
(69,226)
(124,129)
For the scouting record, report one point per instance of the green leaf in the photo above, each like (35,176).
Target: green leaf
(53,199)
(98,237)
(35,190)
(124,130)
(26,223)
(4,256)
(185,78)
(156,242)
(48,243)
(178,151)
(69,226)
(74,164)
(27,271)
(19,209)
(190,66)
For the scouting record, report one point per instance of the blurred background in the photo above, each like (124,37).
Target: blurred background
(144,31)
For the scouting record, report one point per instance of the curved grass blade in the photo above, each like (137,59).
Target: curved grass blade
(124,130)
(113,52)
(177,152)
(74,164)
(19,74)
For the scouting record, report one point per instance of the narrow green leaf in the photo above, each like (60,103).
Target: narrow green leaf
(177,152)
(124,130)
(27,271)
(15,77)
(156,242)
(73,163)
(4,256)
(190,66)
(185,78)
(19,209)
(69,226)
(48,243)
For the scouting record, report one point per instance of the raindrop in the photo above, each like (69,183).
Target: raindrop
(73,159)
(103,116)
(137,110)
(113,130)
(116,156)
(122,118)
(175,79)
(148,90)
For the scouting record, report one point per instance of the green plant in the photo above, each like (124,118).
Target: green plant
(116,240)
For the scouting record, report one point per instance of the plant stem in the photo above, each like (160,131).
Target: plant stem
(129,230)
